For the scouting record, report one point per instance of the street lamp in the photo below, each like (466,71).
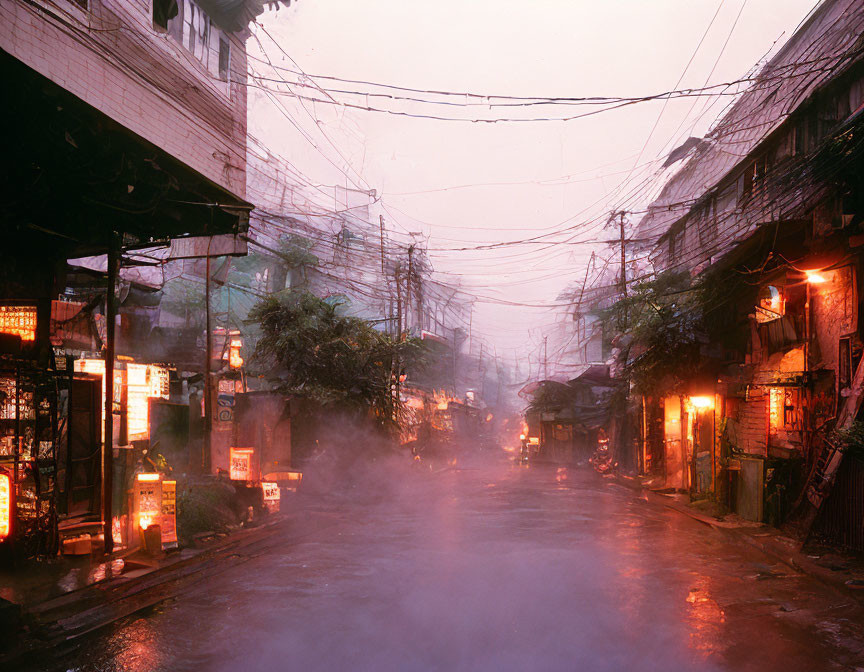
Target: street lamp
(811,277)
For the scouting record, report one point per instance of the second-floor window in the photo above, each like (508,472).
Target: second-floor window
(771,305)
(189,25)
(196,31)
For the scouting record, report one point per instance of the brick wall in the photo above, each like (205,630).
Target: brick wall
(834,314)
(113,59)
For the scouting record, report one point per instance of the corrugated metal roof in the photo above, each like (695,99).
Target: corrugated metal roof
(827,44)
(235,15)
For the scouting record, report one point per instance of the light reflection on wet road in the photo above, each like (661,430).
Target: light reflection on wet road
(496,568)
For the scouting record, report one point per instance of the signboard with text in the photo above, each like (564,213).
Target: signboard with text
(169,514)
(241,464)
(272,495)
(18,321)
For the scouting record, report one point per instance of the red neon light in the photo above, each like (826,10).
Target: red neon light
(5,506)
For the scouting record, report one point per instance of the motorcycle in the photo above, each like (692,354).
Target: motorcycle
(602,460)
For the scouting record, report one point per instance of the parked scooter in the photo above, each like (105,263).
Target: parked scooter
(602,460)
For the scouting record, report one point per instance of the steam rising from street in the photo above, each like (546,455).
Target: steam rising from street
(486,567)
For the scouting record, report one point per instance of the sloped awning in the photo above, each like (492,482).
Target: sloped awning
(87,176)
(597,374)
(235,15)
(532,387)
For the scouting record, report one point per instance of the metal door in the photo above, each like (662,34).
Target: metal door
(83,460)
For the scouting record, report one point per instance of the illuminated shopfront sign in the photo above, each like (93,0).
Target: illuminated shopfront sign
(137,401)
(5,505)
(169,514)
(241,464)
(270,491)
(272,496)
(18,321)
(143,382)
(148,500)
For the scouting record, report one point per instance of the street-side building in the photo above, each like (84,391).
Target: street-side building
(572,386)
(770,206)
(128,129)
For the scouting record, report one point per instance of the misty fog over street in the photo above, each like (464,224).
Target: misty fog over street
(492,567)
(402,336)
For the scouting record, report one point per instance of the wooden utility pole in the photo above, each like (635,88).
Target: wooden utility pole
(408,287)
(470,325)
(623,255)
(622,280)
(388,306)
(545,358)
(585,280)
(108,445)
(208,378)
(381,221)
(398,303)
(498,378)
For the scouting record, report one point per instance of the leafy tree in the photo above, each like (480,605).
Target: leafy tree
(851,440)
(666,325)
(308,349)
(661,330)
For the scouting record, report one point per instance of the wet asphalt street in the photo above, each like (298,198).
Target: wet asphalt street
(492,568)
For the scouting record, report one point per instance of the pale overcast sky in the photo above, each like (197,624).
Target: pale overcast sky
(547,48)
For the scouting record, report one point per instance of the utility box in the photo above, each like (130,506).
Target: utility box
(749,488)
